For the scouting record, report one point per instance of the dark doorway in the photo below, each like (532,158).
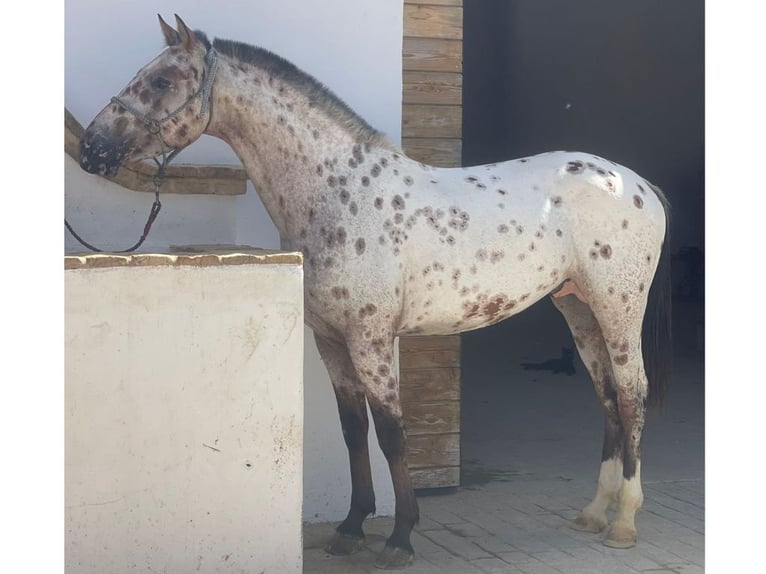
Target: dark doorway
(622,80)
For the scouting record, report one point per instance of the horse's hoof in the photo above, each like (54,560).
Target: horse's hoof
(621,536)
(344,544)
(589,523)
(394,558)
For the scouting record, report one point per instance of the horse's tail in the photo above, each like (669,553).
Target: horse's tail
(657,329)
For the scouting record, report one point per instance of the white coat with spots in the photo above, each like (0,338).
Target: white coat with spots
(394,247)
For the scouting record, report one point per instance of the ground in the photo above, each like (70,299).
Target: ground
(531,446)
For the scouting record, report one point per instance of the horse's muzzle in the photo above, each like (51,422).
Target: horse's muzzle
(99,155)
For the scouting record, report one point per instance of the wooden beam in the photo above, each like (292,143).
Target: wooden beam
(435,477)
(428,21)
(443,88)
(434,384)
(432,54)
(436,2)
(441,152)
(432,450)
(432,121)
(432,417)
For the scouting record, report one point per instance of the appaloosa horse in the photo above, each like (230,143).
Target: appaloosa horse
(395,247)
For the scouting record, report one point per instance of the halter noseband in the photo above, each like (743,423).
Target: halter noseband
(154,126)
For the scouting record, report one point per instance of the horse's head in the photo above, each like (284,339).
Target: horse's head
(163,108)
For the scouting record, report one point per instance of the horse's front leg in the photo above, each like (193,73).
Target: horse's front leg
(352,408)
(373,356)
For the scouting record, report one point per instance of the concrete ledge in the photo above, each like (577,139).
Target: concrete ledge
(188,257)
(183,178)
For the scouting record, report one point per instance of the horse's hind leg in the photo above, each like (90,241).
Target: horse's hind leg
(621,319)
(352,408)
(595,355)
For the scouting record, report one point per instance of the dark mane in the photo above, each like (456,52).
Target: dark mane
(288,72)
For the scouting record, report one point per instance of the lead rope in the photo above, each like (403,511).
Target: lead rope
(155,127)
(153,212)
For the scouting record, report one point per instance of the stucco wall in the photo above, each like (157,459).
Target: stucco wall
(352,46)
(184,418)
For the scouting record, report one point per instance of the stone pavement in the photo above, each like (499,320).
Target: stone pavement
(530,450)
(517,527)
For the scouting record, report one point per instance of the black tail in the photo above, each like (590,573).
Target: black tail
(656,340)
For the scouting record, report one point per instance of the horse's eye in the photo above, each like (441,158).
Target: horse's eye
(160,83)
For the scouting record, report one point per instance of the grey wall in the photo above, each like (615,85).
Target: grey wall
(617,78)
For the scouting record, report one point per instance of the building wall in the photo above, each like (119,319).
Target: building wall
(352,46)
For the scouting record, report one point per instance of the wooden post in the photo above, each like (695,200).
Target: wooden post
(432,106)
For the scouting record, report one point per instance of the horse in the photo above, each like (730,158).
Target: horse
(396,247)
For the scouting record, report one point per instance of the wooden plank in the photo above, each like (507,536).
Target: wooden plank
(429,359)
(430,342)
(432,417)
(444,88)
(432,450)
(429,384)
(432,54)
(436,2)
(440,152)
(435,477)
(432,121)
(428,21)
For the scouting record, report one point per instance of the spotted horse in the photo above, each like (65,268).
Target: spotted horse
(394,247)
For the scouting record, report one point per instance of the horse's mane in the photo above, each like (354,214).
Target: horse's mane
(288,72)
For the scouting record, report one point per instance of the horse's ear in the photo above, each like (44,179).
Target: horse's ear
(172,37)
(188,38)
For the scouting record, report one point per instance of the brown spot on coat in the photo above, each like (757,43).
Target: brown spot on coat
(360,246)
(621,359)
(638,202)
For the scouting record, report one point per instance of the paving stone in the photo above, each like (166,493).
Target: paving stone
(516,558)
(686,568)
(457,545)
(423,545)
(495,566)
(493,545)
(536,567)
(426,523)
(468,530)
(447,563)
(551,557)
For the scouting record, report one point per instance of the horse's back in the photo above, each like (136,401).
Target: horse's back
(496,238)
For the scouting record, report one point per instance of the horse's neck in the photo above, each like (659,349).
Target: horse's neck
(288,146)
